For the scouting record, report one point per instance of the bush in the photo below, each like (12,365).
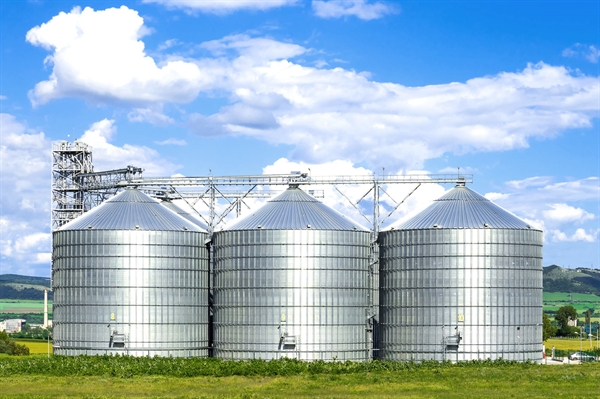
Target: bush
(10,347)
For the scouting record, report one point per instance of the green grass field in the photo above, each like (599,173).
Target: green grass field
(23,306)
(572,344)
(35,346)
(531,381)
(552,301)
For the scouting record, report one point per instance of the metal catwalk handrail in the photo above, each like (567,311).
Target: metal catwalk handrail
(300,179)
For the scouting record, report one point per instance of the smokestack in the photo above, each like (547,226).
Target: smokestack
(45,308)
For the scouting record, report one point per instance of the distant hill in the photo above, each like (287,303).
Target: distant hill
(556,279)
(14,286)
(582,280)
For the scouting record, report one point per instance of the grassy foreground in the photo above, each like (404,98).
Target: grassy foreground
(450,382)
(121,378)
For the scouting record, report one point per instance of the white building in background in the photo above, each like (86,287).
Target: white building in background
(12,325)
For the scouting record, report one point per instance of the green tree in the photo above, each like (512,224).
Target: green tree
(548,330)
(562,317)
(10,347)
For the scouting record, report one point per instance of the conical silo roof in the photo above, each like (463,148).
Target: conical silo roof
(295,210)
(463,208)
(182,212)
(131,210)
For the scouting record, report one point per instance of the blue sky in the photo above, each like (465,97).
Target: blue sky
(506,90)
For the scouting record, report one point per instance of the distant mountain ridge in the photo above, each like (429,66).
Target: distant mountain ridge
(14,286)
(582,280)
(556,279)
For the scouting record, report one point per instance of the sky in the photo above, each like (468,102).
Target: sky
(506,90)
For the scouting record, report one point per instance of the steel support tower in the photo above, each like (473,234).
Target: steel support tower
(69,160)
(76,188)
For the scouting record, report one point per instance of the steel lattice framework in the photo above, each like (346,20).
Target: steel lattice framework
(76,188)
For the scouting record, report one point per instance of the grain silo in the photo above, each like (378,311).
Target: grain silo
(130,277)
(291,280)
(462,280)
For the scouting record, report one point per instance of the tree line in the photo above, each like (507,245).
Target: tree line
(563,316)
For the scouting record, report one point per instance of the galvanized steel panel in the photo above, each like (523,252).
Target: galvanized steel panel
(462,208)
(131,210)
(295,209)
(317,279)
(182,212)
(492,277)
(155,283)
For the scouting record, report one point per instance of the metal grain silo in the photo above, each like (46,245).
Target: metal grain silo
(460,281)
(291,280)
(130,276)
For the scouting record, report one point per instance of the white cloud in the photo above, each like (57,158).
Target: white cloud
(98,56)
(2,98)
(25,164)
(496,196)
(171,141)
(579,235)
(535,201)
(167,44)
(341,114)
(154,115)
(109,156)
(253,49)
(324,113)
(221,7)
(588,52)
(357,8)
(31,242)
(564,213)
(24,196)
(393,194)
(537,181)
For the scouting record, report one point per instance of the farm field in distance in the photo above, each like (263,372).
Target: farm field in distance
(572,344)
(23,306)
(35,346)
(552,301)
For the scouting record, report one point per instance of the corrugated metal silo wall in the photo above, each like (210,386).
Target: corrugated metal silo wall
(154,282)
(316,278)
(430,277)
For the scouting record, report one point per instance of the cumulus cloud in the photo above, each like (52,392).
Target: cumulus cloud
(109,156)
(564,213)
(342,114)
(358,8)
(579,235)
(25,166)
(24,197)
(535,201)
(324,113)
(578,50)
(221,7)
(98,56)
